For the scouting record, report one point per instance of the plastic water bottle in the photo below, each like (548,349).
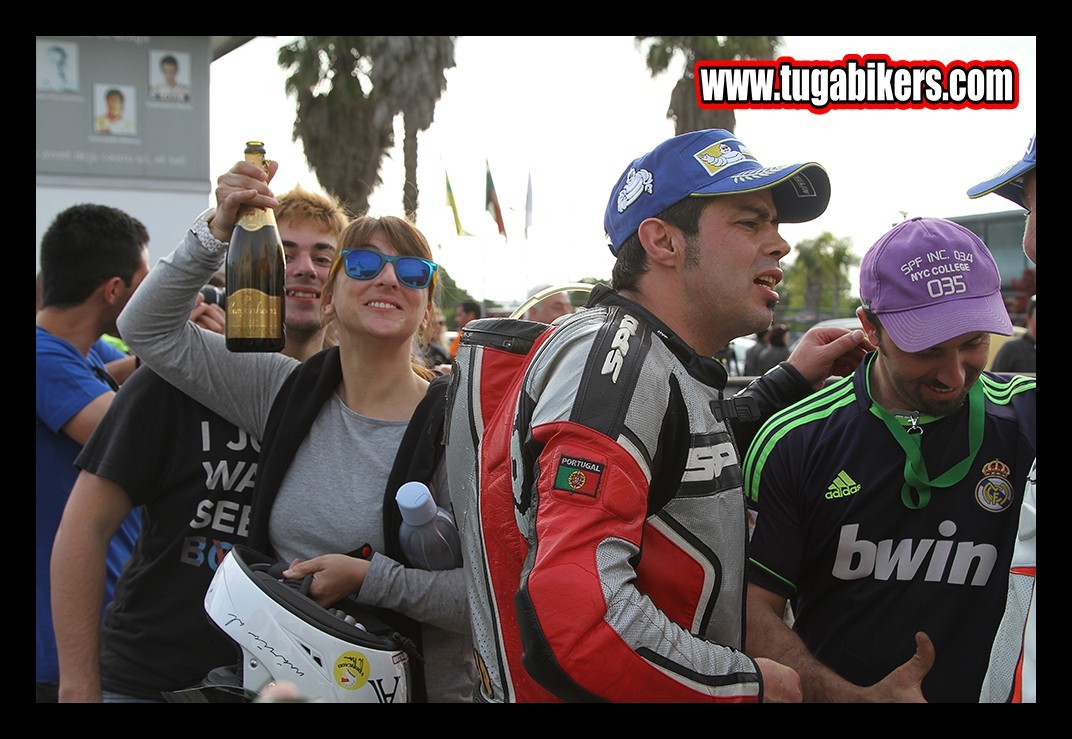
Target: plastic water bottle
(428,535)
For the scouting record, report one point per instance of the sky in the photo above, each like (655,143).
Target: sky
(572,112)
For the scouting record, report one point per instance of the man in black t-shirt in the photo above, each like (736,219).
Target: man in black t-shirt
(193,472)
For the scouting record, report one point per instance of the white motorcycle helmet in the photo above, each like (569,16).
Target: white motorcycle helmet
(343,655)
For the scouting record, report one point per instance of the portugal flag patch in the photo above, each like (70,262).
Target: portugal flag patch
(576,475)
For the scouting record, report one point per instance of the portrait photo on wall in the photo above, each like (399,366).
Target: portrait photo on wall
(57,66)
(114,109)
(169,76)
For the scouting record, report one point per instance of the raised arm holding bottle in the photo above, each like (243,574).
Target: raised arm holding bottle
(334,430)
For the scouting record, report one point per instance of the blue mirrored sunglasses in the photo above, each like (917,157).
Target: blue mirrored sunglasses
(364,264)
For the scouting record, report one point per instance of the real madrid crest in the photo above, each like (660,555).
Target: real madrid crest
(994,491)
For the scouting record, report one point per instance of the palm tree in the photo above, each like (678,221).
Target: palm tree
(684,111)
(343,126)
(410,72)
(349,90)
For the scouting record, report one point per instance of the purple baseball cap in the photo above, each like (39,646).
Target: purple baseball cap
(709,162)
(930,280)
(1009,182)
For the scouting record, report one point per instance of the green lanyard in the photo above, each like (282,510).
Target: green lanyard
(915,470)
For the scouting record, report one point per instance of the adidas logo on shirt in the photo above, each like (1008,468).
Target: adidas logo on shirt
(842,487)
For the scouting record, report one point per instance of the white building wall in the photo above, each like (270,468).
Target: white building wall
(166,214)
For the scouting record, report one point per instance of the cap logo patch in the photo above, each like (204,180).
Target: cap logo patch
(758,174)
(717,157)
(1002,172)
(637,182)
(942,270)
(802,186)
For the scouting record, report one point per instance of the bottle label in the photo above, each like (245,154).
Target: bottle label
(252,314)
(252,219)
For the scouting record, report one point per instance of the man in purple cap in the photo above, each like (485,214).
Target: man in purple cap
(601,504)
(886,503)
(1011,675)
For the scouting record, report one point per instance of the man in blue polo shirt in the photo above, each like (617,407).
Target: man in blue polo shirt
(93,258)
(886,504)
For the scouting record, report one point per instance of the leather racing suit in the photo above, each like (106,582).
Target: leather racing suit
(599,496)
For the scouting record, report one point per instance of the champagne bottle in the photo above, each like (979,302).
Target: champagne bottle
(256,270)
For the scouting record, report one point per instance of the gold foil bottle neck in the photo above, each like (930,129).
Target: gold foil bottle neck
(256,154)
(251,218)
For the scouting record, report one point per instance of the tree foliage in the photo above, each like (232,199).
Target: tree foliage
(449,294)
(818,278)
(684,111)
(411,72)
(342,123)
(348,90)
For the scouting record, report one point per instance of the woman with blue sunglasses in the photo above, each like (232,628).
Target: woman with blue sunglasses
(340,432)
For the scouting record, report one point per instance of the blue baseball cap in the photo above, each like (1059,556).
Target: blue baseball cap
(710,162)
(1009,182)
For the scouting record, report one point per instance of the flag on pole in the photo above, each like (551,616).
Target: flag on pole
(454,208)
(528,208)
(491,202)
